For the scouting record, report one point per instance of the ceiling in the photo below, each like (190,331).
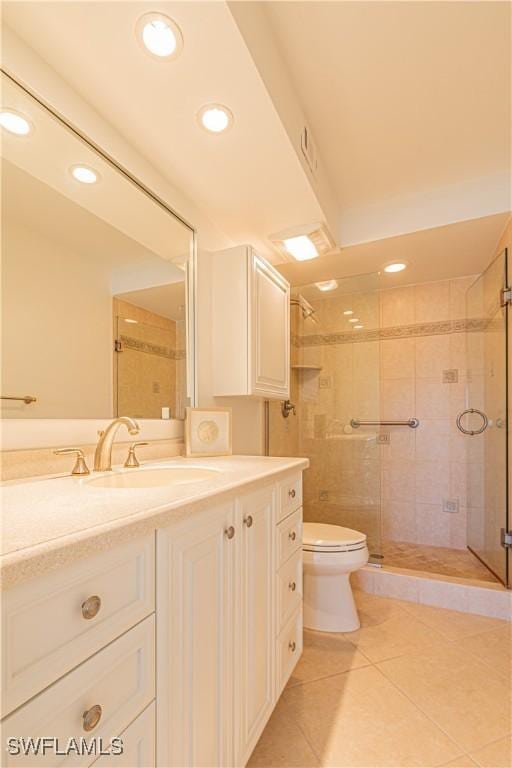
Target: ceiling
(164,300)
(408,103)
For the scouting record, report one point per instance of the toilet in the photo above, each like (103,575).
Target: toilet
(330,554)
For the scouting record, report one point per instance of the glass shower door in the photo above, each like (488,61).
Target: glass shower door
(335,379)
(485,419)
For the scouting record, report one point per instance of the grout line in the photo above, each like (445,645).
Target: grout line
(326,677)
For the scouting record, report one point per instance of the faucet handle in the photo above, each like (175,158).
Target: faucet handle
(132,460)
(80,467)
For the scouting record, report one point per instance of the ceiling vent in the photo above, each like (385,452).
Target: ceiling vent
(308,148)
(317,234)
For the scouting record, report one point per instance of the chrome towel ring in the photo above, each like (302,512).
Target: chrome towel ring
(485,422)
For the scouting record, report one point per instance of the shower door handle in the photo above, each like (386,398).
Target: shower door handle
(485,422)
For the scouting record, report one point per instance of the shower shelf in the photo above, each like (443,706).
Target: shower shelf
(306,368)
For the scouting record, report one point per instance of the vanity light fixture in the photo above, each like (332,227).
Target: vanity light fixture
(160,36)
(215,118)
(15,122)
(354,320)
(348,312)
(130,320)
(357,327)
(327,285)
(301,248)
(84,174)
(395,266)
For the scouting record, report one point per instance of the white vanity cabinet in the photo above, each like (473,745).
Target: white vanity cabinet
(250,326)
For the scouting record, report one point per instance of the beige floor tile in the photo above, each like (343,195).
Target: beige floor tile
(282,744)
(325,654)
(452,624)
(468,700)
(460,762)
(398,635)
(360,719)
(496,755)
(374,609)
(493,648)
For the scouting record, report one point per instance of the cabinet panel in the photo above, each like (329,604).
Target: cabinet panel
(255,601)
(138,744)
(270,331)
(195,641)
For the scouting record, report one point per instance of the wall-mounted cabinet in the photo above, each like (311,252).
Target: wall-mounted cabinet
(251,326)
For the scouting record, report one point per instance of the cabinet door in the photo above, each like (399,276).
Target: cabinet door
(195,601)
(255,637)
(270,331)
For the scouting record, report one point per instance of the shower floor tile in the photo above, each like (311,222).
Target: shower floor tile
(440,560)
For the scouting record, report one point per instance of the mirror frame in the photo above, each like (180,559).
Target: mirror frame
(191,271)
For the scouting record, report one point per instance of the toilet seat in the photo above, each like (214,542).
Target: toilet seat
(321,537)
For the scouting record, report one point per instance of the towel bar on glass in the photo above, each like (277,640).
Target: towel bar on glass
(412,423)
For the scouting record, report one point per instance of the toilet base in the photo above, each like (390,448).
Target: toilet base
(329,604)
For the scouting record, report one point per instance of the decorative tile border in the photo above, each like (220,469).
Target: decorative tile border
(394,332)
(148,348)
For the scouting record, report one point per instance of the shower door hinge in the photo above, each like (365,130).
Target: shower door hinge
(506,297)
(506,538)
(118,345)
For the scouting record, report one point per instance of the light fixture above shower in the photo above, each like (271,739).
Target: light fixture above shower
(327,285)
(304,242)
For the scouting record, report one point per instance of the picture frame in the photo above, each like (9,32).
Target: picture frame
(208,432)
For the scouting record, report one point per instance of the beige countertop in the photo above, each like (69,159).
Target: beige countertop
(48,522)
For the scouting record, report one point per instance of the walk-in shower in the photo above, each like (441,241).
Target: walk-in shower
(387,387)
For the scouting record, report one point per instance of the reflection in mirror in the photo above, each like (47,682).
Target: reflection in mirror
(96,282)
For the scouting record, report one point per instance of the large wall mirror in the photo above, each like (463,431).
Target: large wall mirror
(97,280)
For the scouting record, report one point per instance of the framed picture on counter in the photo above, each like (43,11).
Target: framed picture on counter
(208,432)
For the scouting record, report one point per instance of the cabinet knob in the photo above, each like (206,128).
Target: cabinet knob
(292,586)
(292,535)
(92,717)
(91,607)
(248,521)
(292,493)
(230,532)
(292,646)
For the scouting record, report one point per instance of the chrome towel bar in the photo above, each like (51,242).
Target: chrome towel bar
(412,423)
(27,399)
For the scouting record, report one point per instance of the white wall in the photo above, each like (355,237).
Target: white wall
(56,328)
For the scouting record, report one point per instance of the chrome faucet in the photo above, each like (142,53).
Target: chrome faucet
(103,453)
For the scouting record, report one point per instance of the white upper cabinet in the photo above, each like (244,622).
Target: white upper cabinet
(251,326)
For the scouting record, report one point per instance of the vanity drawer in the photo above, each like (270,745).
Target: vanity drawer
(139,744)
(51,624)
(290,588)
(289,650)
(119,681)
(289,537)
(290,494)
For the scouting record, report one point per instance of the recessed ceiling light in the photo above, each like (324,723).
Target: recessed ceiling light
(348,312)
(130,320)
(84,174)
(301,248)
(14,122)
(395,266)
(160,36)
(327,285)
(215,118)
(354,320)
(357,327)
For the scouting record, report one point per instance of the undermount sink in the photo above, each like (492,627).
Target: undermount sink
(153,478)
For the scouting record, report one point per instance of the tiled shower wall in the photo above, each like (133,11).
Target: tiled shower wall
(408,360)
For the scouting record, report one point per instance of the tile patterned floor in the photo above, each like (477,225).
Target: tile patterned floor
(441,560)
(415,686)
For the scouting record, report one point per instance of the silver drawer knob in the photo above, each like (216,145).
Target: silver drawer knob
(291,493)
(91,607)
(230,532)
(248,521)
(292,586)
(292,646)
(292,535)
(92,717)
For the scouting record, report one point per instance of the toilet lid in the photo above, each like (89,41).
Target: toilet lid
(330,538)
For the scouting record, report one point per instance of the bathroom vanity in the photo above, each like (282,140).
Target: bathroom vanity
(167,614)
